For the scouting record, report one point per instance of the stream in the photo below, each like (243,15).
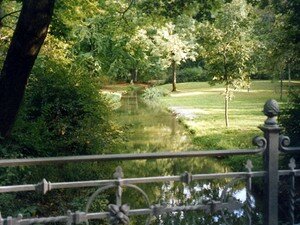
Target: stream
(152,129)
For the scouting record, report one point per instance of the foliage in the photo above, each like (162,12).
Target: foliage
(280,53)
(190,74)
(9,11)
(174,46)
(198,9)
(278,30)
(175,43)
(114,42)
(152,94)
(229,45)
(71,14)
(63,113)
(290,116)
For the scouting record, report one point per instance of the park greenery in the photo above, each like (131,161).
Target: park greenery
(202,56)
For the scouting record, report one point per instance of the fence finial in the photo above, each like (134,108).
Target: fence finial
(271,110)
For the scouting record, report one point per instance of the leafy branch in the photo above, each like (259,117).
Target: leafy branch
(9,14)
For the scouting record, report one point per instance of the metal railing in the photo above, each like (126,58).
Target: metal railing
(269,146)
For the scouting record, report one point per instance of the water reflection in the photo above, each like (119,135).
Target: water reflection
(153,129)
(149,129)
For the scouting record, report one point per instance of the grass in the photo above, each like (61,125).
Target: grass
(207,104)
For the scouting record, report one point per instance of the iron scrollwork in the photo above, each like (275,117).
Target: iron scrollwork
(260,142)
(118,213)
(284,142)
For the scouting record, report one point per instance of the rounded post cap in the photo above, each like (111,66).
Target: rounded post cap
(271,108)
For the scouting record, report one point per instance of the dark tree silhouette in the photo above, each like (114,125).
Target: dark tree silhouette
(28,37)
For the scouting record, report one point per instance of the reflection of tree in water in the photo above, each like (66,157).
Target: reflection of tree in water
(201,193)
(149,129)
(180,194)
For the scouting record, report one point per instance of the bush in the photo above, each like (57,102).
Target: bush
(290,117)
(190,74)
(152,94)
(63,113)
(262,76)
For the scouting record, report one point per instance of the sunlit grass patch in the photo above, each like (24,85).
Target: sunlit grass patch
(207,104)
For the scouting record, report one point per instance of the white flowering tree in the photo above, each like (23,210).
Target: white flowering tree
(174,44)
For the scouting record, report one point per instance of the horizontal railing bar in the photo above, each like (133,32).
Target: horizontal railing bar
(125,181)
(288,172)
(18,188)
(149,211)
(43,220)
(132,156)
(193,177)
(142,180)
(72,218)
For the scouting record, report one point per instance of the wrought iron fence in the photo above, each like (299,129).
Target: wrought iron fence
(118,213)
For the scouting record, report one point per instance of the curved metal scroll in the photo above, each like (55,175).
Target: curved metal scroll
(284,142)
(260,142)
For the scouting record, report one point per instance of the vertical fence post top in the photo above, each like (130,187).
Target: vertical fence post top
(271,110)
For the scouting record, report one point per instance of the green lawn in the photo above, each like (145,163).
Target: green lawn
(206,103)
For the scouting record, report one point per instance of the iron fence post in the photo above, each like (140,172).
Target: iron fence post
(271,133)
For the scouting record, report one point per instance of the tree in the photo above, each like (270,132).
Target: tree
(175,44)
(290,117)
(105,39)
(279,33)
(229,45)
(197,9)
(28,37)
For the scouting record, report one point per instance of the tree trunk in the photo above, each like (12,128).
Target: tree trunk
(174,76)
(227,93)
(281,85)
(226,105)
(134,75)
(28,37)
(289,74)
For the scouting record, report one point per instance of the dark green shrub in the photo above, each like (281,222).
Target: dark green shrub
(261,76)
(290,117)
(190,74)
(63,114)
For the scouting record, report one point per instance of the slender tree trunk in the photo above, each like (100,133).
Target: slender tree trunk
(174,76)
(289,74)
(226,105)
(28,37)
(227,93)
(281,85)
(134,74)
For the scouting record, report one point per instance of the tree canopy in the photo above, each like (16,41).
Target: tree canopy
(229,45)
(142,40)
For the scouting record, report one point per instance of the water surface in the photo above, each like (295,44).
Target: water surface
(150,129)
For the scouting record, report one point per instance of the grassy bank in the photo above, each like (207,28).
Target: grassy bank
(204,105)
